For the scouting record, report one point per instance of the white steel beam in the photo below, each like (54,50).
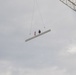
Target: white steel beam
(37,35)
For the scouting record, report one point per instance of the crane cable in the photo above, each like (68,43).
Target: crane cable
(35,1)
(32,17)
(40,13)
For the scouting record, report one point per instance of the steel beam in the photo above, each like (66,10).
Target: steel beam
(37,35)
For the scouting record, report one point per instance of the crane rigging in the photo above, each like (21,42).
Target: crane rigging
(40,32)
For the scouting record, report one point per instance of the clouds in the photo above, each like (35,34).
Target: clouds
(72,50)
(8,69)
(53,53)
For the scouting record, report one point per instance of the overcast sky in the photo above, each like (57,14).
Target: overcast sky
(51,54)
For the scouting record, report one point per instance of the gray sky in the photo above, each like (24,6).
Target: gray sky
(51,54)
